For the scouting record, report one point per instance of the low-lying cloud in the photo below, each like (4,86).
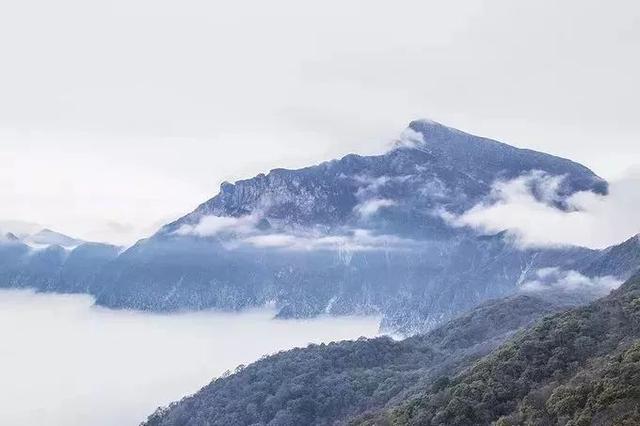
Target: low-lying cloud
(556,279)
(209,226)
(528,208)
(66,362)
(354,240)
(370,207)
(244,231)
(370,186)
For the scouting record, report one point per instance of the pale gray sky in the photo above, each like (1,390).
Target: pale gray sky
(116,116)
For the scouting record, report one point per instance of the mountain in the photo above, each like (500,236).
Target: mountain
(578,367)
(435,166)
(329,384)
(616,260)
(358,235)
(47,237)
(50,261)
(18,228)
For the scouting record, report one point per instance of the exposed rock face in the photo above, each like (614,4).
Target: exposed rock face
(433,167)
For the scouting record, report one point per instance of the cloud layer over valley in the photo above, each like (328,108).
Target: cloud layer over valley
(65,362)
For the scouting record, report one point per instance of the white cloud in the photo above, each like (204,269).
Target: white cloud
(275,241)
(525,207)
(355,240)
(370,207)
(410,138)
(70,363)
(570,281)
(370,186)
(209,226)
(115,135)
(243,231)
(370,183)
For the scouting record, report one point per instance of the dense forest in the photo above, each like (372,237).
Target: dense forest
(324,384)
(519,360)
(581,367)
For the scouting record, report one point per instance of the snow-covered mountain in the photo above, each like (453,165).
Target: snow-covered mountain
(362,234)
(432,166)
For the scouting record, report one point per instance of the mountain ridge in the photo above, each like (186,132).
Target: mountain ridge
(356,235)
(549,374)
(360,234)
(438,136)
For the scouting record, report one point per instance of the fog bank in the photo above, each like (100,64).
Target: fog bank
(64,361)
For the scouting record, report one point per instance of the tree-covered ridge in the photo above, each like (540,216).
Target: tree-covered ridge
(574,368)
(608,392)
(328,384)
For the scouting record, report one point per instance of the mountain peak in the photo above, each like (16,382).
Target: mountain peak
(49,237)
(425,123)
(431,129)
(10,236)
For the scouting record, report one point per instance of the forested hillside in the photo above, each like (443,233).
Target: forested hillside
(581,367)
(577,367)
(324,384)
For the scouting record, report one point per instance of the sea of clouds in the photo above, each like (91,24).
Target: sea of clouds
(64,361)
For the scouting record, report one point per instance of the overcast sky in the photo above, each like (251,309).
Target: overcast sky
(117,116)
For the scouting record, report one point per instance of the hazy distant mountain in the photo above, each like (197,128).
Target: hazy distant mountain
(50,261)
(47,237)
(19,228)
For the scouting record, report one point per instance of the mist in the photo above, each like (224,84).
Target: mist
(146,122)
(66,361)
(524,207)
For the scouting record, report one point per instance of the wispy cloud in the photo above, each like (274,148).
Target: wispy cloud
(371,185)
(570,281)
(355,240)
(209,226)
(244,231)
(527,207)
(410,138)
(370,207)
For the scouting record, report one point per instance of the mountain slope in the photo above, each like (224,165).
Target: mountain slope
(350,236)
(50,261)
(323,384)
(617,260)
(436,166)
(579,367)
